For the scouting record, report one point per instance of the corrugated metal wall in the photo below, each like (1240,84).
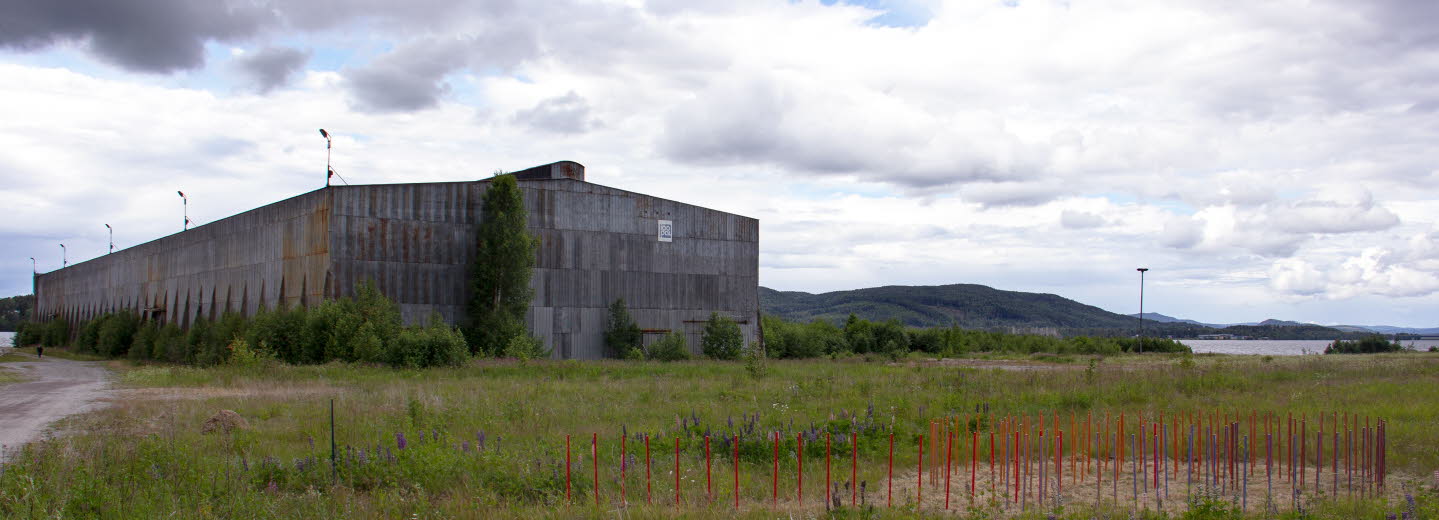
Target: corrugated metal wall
(238,263)
(596,244)
(416,241)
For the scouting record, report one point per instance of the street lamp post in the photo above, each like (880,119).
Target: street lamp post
(185,202)
(328,171)
(1141,308)
(112,238)
(34,267)
(63,261)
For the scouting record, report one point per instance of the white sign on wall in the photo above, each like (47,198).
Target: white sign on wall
(667,231)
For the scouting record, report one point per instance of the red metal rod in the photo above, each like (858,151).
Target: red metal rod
(890,502)
(919,484)
(649,490)
(776,468)
(1016,466)
(567,468)
(948,462)
(1155,433)
(595,457)
(1059,462)
(799,463)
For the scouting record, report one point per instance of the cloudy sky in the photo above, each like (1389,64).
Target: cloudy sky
(1264,159)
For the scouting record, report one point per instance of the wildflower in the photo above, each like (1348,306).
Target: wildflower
(465,446)
(480,441)
(271,487)
(422,435)
(400,440)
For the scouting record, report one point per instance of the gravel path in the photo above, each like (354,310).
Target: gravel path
(56,388)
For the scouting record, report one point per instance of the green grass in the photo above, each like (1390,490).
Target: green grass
(144,457)
(8,376)
(61,353)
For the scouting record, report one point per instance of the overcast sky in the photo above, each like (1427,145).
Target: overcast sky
(1274,159)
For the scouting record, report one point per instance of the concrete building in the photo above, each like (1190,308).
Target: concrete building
(672,263)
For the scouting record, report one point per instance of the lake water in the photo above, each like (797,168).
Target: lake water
(6,338)
(1274,347)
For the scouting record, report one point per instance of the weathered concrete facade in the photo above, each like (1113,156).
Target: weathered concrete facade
(416,241)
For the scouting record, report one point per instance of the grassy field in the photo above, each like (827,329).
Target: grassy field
(144,457)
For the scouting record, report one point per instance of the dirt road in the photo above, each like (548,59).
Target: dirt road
(56,388)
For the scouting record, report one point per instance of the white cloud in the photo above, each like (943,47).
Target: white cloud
(1279,151)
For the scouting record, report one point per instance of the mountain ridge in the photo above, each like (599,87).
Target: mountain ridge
(974,306)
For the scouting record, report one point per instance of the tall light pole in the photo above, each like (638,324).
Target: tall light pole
(34,267)
(1141,308)
(185,201)
(328,171)
(63,261)
(112,238)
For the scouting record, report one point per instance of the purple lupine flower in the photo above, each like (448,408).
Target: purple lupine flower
(400,440)
(272,487)
(435,435)
(422,436)
(465,446)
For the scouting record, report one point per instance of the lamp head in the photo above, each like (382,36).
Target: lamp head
(1142,269)
(324,133)
(107,226)
(182,194)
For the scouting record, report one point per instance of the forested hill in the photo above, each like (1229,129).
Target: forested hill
(14,310)
(966,305)
(980,307)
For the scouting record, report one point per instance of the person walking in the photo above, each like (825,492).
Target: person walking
(40,350)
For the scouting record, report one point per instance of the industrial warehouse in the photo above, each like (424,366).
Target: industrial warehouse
(672,263)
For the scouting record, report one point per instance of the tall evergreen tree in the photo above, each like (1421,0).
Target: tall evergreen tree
(500,275)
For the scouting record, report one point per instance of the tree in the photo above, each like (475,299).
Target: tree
(500,275)
(721,338)
(621,332)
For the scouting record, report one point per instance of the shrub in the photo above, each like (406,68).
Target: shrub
(240,354)
(722,338)
(754,361)
(56,333)
(117,334)
(144,342)
(28,333)
(621,332)
(89,334)
(525,347)
(1371,344)
(671,347)
(436,344)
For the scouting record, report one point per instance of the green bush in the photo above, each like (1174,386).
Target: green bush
(1371,344)
(28,333)
(671,347)
(89,334)
(621,332)
(436,344)
(56,334)
(117,334)
(144,343)
(525,347)
(722,338)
